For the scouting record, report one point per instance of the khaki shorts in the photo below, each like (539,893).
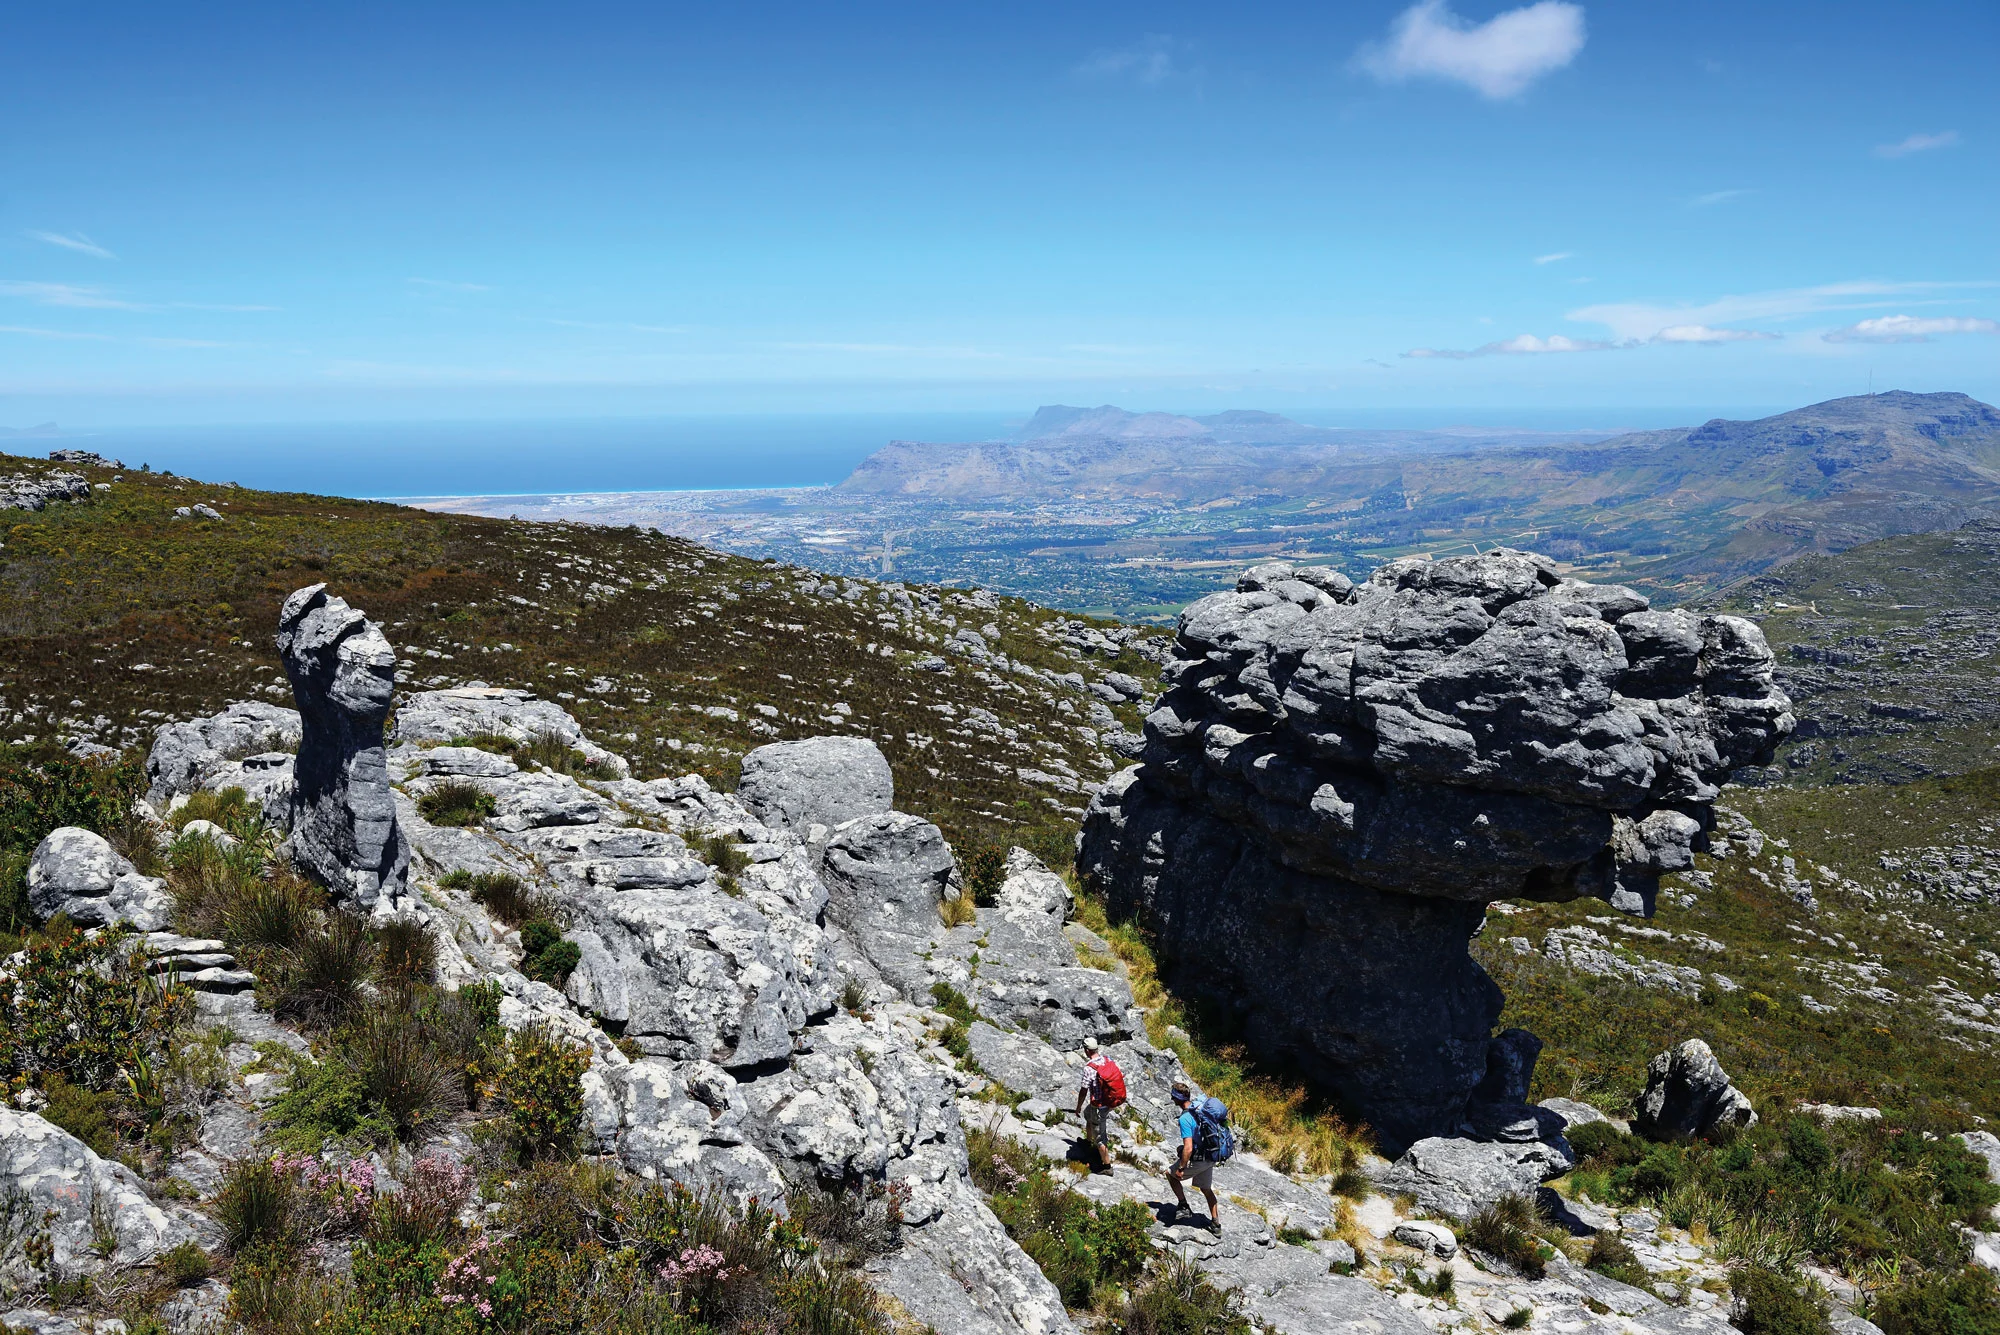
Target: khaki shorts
(1097,1123)
(1201,1172)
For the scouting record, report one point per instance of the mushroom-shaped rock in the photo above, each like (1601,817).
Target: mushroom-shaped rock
(343,675)
(817,781)
(1689,1094)
(1339,778)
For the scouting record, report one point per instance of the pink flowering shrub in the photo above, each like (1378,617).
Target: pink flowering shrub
(467,1281)
(695,1265)
(337,1199)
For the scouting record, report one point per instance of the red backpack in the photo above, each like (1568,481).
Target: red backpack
(1110,1087)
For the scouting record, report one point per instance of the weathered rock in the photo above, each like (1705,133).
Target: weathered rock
(1459,1178)
(496,711)
(343,675)
(1339,778)
(886,876)
(201,1310)
(97,1211)
(1427,1236)
(76,873)
(1574,1113)
(817,781)
(185,756)
(1688,1094)
(23,491)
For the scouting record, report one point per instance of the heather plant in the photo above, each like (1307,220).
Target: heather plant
(88,1011)
(985,869)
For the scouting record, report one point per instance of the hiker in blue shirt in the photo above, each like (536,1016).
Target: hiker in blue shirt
(1190,1166)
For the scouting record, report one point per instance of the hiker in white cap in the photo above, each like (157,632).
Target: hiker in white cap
(1101,1094)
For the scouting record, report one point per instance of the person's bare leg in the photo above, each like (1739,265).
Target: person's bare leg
(1179,1195)
(1214,1208)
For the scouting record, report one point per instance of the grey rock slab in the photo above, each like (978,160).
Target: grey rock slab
(1332,1304)
(518,715)
(343,674)
(1458,1178)
(200,1310)
(1574,1113)
(1624,1299)
(66,1181)
(816,781)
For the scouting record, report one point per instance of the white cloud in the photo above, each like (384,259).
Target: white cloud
(1643,322)
(1517,346)
(79,243)
(1715,197)
(1908,329)
(30,331)
(1499,58)
(1551,259)
(1917,143)
(449,286)
(1701,333)
(1149,61)
(68,294)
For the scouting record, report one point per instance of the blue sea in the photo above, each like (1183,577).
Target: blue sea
(523,457)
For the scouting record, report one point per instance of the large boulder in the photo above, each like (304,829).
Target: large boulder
(1688,1094)
(1340,778)
(886,877)
(1449,1175)
(476,711)
(343,674)
(186,755)
(818,781)
(78,874)
(95,1212)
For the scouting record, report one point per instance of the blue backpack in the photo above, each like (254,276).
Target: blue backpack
(1212,1139)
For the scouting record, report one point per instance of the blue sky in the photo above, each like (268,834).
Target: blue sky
(290,213)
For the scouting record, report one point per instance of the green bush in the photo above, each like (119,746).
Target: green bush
(1178,1299)
(230,808)
(84,1113)
(43,789)
(397,1062)
(322,980)
(186,1264)
(1957,1302)
(985,870)
(455,802)
(1081,1246)
(324,1104)
(276,912)
(505,895)
(1610,1257)
(87,1011)
(1510,1230)
(541,1090)
(258,1206)
(407,952)
(1767,1304)
(545,956)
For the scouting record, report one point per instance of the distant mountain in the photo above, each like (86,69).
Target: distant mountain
(43,431)
(1065,452)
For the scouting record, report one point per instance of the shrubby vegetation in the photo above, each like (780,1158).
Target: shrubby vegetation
(1882,1203)
(43,789)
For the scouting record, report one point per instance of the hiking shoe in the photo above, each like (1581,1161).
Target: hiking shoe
(1214,1226)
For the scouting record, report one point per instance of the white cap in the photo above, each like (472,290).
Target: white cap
(1089,1044)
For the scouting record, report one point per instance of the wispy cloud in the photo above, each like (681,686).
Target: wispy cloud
(1908,329)
(1521,345)
(68,294)
(1917,143)
(30,331)
(1498,58)
(1643,321)
(1528,345)
(446,285)
(78,242)
(622,326)
(1715,197)
(1551,259)
(1148,61)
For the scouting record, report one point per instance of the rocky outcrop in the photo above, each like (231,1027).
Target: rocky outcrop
(187,755)
(78,874)
(93,1212)
(431,717)
(343,676)
(886,876)
(818,781)
(1340,778)
(1689,1094)
(24,491)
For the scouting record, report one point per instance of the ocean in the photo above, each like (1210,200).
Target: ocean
(392,459)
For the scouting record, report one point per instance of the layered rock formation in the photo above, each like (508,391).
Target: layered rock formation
(1340,778)
(343,675)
